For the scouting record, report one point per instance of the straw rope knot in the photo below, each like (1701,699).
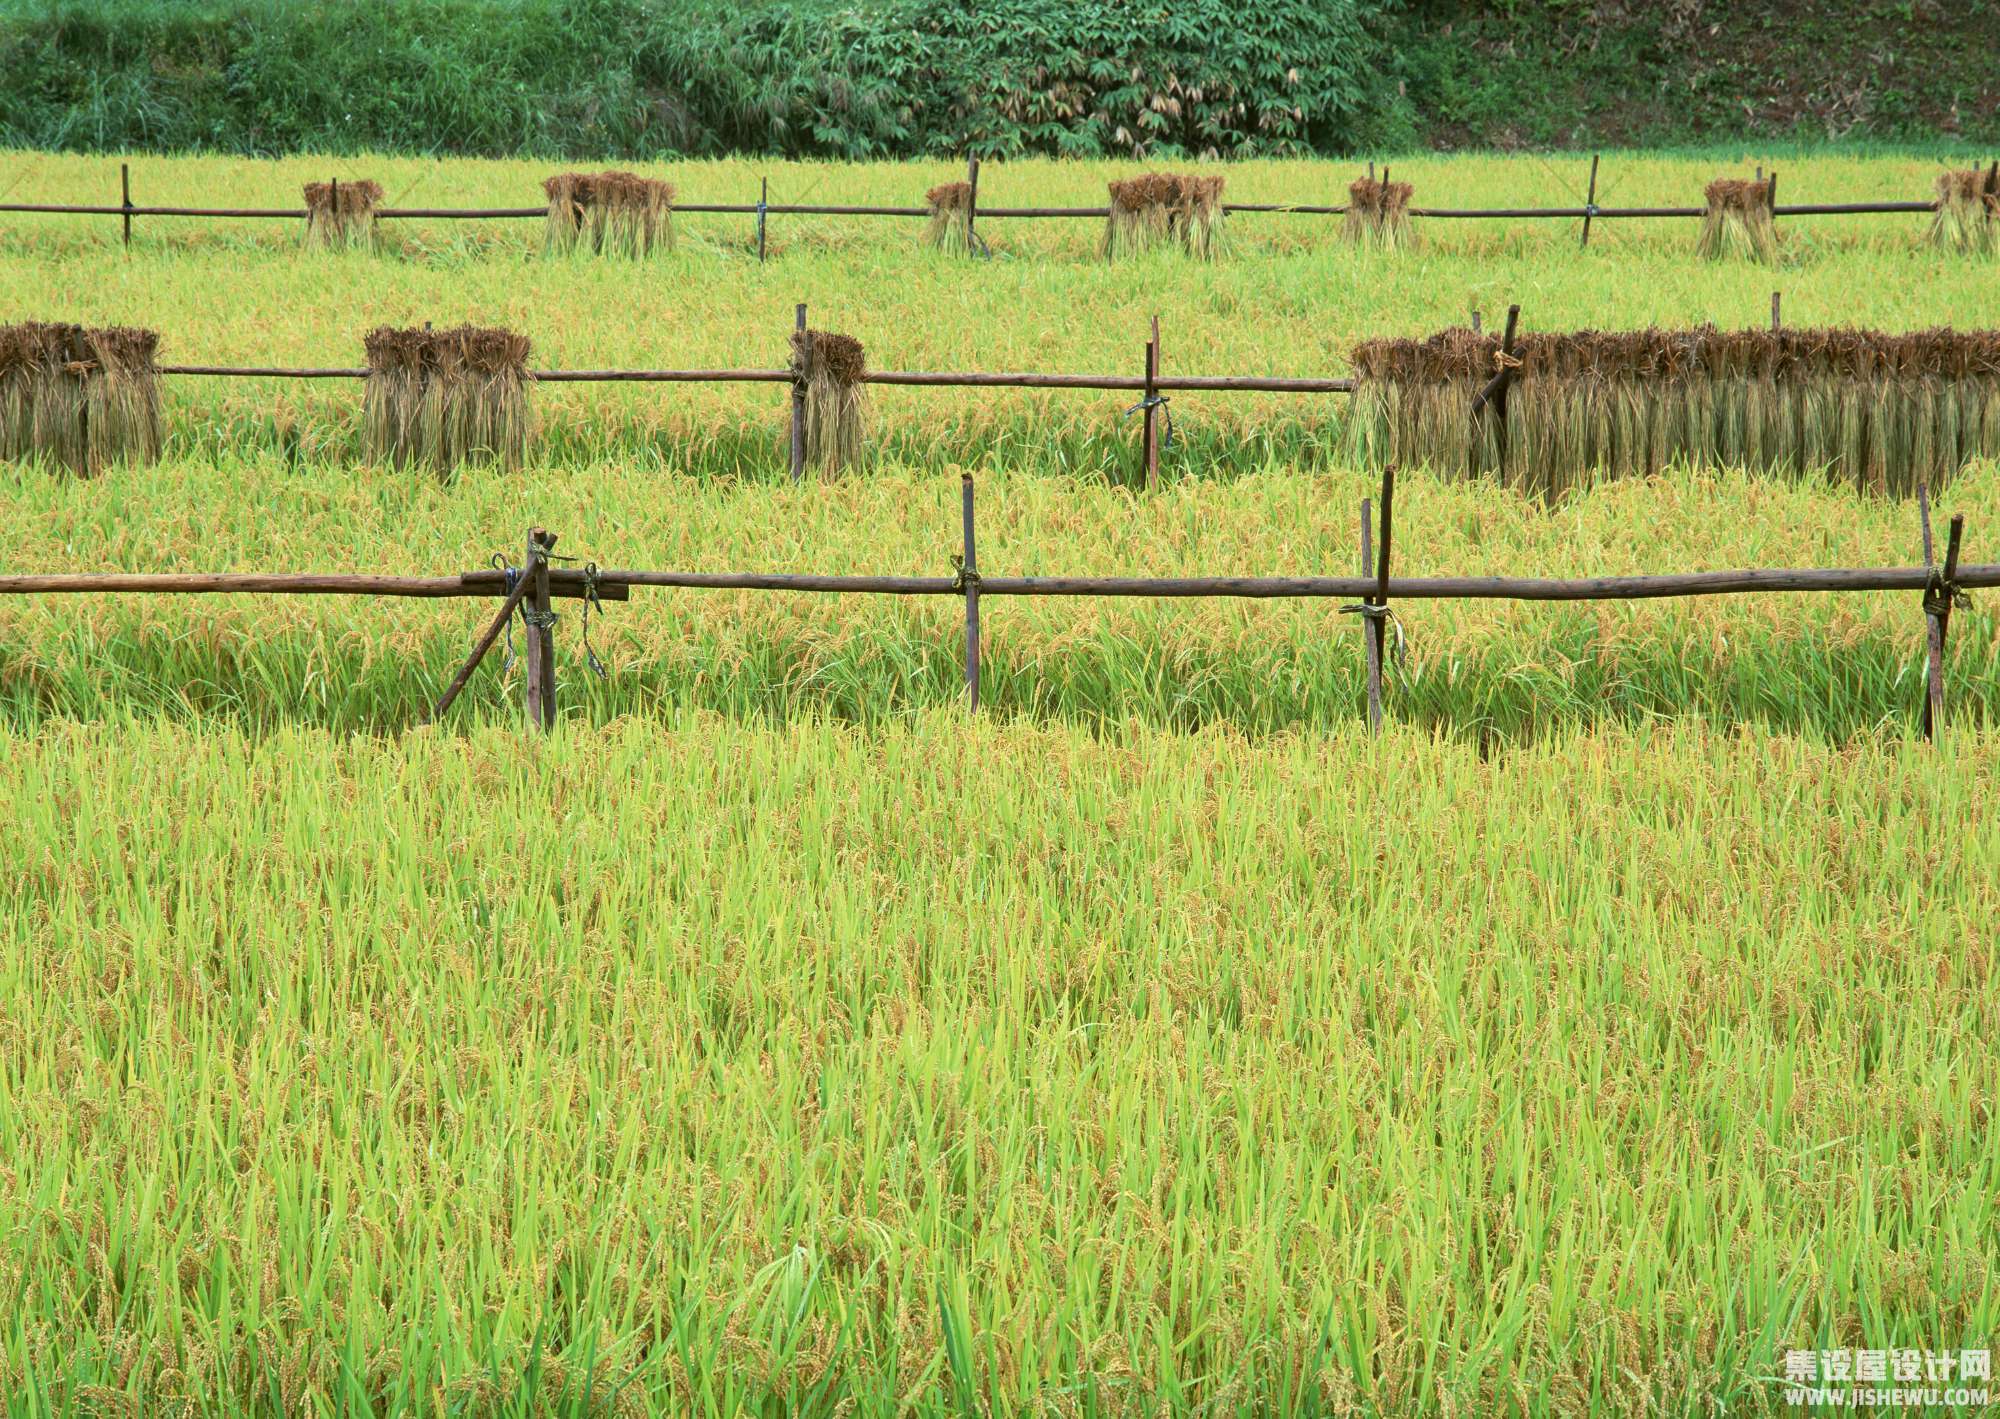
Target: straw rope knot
(591,601)
(1940,596)
(1382,614)
(963,578)
(1504,361)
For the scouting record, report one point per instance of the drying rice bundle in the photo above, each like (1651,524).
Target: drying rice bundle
(1967,210)
(830,369)
(1881,412)
(341,215)
(82,398)
(1160,207)
(1740,222)
(951,217)
(1378,214)
(608,213)
(446,397)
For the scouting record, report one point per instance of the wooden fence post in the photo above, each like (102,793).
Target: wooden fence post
(125,189)
(539,647)
(968,580)
(1152,408)
(971,205)
(1938,593)
(1378,623)
(798,404)
(1776,322)
(1372,653)
(763,202)
(1590,201)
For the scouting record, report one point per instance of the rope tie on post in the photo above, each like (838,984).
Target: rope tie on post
(1160,402)
(510,577)
(1941,597)
(591,601)
(1504,361)
(1382,614)
(963,579)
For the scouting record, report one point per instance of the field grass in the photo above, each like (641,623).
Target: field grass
(777,1038)
(959,1067)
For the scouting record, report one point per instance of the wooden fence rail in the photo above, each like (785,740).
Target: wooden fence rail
(527,591)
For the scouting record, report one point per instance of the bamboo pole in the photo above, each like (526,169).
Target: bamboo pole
(971,379)
(968,578)
(799,406)
(562,584)
(538,687)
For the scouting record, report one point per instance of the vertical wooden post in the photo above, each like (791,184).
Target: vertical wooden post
(1371,651)
(1590,201)
(971,203)
(1475,320)
(1777,322)
(1152,439)
(763,201)
(1937,610)
(539,647)
(125,189)
(968,575)
(1774,197)
(799,406)
(1506,377)
(1379,622)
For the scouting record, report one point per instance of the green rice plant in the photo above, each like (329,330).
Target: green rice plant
(626,1072)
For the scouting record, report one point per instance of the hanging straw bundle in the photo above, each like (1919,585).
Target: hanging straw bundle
(830,369)
(340,216)
(1879,412)
(80,398)
(608,213)
(446,397)
(1378,214)
(1740,223)
(951,217)
(1968,207)
(1163,207)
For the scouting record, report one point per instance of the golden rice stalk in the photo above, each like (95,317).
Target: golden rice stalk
(1156,208)
(446,397)
(608,214)
(1968,210)
(830,368)
(1378,215)
(340,216)
(83,399)
(950,226)
(1879,412)
(1740,224)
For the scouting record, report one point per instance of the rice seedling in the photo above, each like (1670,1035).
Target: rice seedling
(1182,210)
(950,227)
(340,216)
(829,367)
(1968,208)
(83,399)
(1879,412)
(1378,214)
(608,214)
(1740,224)
(446,397)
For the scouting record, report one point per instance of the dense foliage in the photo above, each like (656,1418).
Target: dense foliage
(647,78)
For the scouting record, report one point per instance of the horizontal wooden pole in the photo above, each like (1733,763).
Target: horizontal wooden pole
(484,583)
(1022,379)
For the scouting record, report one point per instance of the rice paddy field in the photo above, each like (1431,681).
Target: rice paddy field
(776,1037)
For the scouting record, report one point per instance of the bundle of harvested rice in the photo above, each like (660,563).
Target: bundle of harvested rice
(1968,210)
(80,398)
(608,213)
(1882,412)
(446,397)
(341,215)
(1162,207)
(829,367)
(1378,214)
(1740,222)
(951,217)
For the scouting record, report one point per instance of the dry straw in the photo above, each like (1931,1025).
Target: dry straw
(1878,412)
(1740,224)
(1161,208)
(608,214)
(1378,214)
(446,397)
(830,367)
(1968,207)
(951,217)
(82,399)
(340,216)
